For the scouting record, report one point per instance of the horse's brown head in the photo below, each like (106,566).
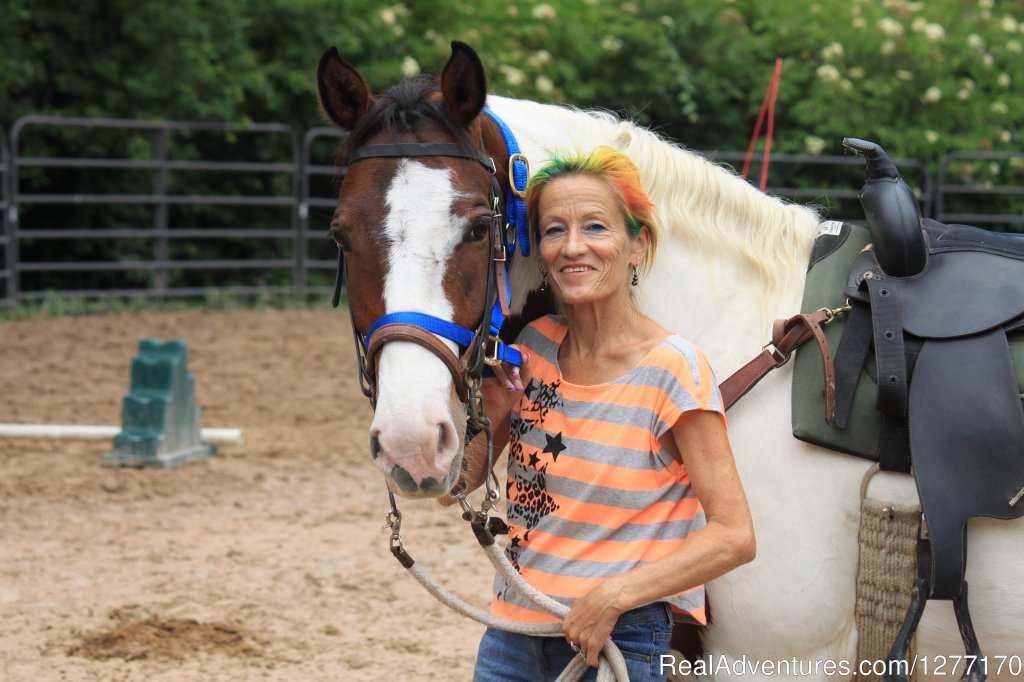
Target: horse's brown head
(414,227)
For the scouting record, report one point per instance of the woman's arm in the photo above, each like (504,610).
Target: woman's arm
(727,541)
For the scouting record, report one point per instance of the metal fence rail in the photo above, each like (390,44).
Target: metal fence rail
(6,207)
(839,197)
(320,180)
(1005,196)
(159,197)
(291,185)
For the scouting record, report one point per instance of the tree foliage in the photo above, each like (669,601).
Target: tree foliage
(925,77)
(922,78)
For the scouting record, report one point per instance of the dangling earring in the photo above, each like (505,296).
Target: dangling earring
(543,281)
(636,277)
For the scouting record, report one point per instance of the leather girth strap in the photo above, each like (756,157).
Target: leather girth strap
(889,352)
(787,336)
(850,358)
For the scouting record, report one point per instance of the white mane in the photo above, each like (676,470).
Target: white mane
(713,211)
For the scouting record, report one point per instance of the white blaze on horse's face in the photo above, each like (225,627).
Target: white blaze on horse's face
(417,441)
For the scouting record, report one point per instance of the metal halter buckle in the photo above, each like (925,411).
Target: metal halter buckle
(491,348)
(511,174)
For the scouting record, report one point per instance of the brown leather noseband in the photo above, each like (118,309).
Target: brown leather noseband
(425,330)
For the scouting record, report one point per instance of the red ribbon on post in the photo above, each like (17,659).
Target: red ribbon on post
(767,106)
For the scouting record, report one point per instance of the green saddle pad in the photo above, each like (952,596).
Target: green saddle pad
(835,249)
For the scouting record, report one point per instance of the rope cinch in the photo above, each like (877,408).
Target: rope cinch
(612,665)
(885,574)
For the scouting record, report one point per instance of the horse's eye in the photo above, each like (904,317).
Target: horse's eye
(478,230)
(338,237)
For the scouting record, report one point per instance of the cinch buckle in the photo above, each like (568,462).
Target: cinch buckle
(491,347)
(512,177)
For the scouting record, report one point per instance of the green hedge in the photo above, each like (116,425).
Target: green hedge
(922,78)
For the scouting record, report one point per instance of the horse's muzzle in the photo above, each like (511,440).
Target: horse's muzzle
(414,473)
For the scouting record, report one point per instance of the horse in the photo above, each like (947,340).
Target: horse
(414,233)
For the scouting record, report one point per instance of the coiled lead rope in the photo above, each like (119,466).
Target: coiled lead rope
(612,666)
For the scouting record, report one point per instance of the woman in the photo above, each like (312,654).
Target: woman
(623,497)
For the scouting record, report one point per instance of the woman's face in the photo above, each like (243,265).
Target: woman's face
(585,246)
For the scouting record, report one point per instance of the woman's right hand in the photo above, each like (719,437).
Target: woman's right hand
(501,391)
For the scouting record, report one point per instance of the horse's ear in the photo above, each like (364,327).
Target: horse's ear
(344,95)
(463,83)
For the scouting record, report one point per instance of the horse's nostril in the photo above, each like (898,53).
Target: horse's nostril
(374,447)
(445,438)
(403,479)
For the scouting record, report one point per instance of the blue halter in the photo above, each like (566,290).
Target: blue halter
(494,351)
(518,177)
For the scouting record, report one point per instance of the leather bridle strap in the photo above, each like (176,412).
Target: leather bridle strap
(422,329)
(787,336)
(427,330)
(406,149)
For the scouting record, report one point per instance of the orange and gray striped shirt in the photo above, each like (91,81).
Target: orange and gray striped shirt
(591,491)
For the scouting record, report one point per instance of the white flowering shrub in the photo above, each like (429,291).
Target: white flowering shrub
(921,78)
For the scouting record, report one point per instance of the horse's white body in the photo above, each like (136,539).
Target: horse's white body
(731,261)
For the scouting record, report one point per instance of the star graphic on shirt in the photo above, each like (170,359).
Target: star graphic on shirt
(534,459)
(529,389)
(554,445)
(515,541)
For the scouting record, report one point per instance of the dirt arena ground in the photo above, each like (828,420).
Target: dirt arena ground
(266,562)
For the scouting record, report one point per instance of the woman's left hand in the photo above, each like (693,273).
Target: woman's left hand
(591,620)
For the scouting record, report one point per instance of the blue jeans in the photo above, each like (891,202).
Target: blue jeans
(642,635)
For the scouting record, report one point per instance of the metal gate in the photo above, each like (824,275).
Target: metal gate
(186,209)
(1002,188)
(6,208)
(837,181)
(160,230)
(320,180)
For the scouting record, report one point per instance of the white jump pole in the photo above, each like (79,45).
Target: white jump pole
(87,432)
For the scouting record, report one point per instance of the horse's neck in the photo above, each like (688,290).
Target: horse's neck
(730,259)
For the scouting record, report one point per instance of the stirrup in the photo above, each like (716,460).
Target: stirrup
(896,670)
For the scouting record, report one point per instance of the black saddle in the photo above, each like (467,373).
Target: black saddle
(936,302)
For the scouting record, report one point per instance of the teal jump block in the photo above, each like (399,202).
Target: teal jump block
(159,418)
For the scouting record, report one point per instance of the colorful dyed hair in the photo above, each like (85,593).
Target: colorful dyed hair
(606,164)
